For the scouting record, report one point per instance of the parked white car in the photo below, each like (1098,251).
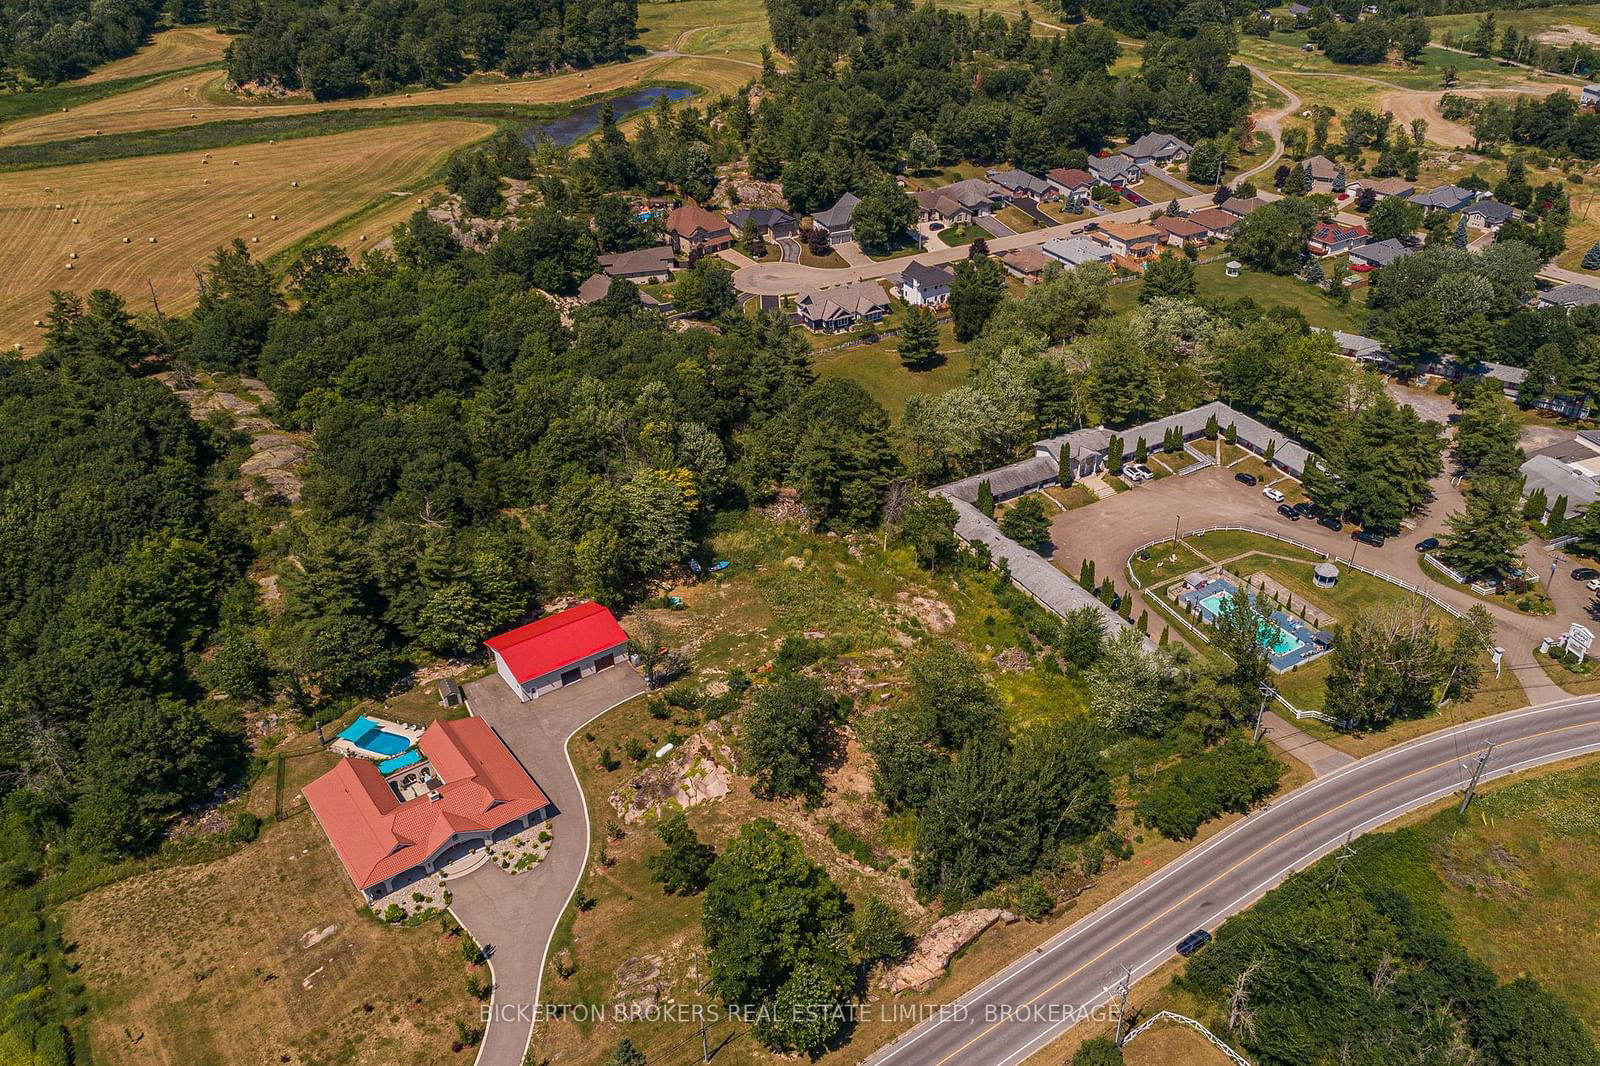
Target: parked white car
(1136,472)
(1272,494)
(1594,586)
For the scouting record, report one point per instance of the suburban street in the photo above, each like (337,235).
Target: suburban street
(1020,1010)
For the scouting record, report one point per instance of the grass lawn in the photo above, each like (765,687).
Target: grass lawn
(877,368)
(1225,544)
(1017,219)
(962,235)
(1071,497)
(832,261)
(1212,282)
(736,28)
(1172,461)
(906,245)
(1580,680)
(1161,567)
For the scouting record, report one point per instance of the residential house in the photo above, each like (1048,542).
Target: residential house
(1073,252)
(958,202)
(921,285)
(1072,184)
(835,221)
(466,789)
(596,286)
(1240,206)
(1322,172)
(841,307)
(1383,188)
(693,229)
(1132,244)
(1361,349)
(1025,263)
(1115,170)
(1159,150)
(771,222)
(1020,185)
(1449,198)
(1573,294)
(1590,96)
(1217,222)
(1375,254)
(1178,231)
(1488,215)
(1335,238)
(558,650)
(1298,11)
(644,265)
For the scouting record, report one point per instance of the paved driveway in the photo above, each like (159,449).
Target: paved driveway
(1108,531)
(513,918)
(994,226)
(789,249)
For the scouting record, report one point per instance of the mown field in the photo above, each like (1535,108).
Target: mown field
(191,207)
(173,49)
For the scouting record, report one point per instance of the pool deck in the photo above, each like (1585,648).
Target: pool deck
(1312,643)
(341,746)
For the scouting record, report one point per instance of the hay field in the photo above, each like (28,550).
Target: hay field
(197,97)
(263,956)
(174,49)
(166,197)
(737,28)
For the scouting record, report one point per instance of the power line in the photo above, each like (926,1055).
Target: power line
(1477,772)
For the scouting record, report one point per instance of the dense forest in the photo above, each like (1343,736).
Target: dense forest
(351,49)
(52,40)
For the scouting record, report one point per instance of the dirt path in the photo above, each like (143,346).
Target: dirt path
(1272,122)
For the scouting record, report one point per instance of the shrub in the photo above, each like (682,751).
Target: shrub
(1230,777)
(394,913)
(1034,902)
(246,827)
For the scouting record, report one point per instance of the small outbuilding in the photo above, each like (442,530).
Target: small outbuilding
(449,693)
(1326,575)
(560,650)
(1233,268)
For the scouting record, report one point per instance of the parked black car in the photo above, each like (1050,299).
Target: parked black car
(1327,521)
(1584,573)
(1288,512)
(1193,942)
(1245,479)
(1305,510)
(1427,545)
(1374,539)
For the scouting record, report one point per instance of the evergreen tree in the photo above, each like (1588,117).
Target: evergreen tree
(1114,455)
(919,339)
(1460,239)
(985,502)
(1591,258)
(1028,522)
(1485,539)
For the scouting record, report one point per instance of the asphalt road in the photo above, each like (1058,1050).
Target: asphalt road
(1020,1010)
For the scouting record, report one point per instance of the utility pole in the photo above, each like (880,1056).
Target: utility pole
(1477,772)
(1266,694)
(1345,853)
(1122,1001)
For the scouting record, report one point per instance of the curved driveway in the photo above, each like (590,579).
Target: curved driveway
(1020,1010)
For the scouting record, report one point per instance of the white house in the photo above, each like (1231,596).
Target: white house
(921,285)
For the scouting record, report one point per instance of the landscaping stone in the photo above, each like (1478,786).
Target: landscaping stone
(935,948)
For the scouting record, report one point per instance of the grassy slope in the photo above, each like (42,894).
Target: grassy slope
(1212,281)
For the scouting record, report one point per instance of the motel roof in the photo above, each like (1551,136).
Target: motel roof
(377,836)
(1286,452)
(552,643)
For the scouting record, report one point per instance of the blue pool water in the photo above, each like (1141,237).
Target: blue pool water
(369,736)
(1278,641)
(400,762)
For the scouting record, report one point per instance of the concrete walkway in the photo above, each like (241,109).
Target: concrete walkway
(513,918)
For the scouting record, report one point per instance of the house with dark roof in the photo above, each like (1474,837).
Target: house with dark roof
(1240,206)
(597,286)
(558,650)
(841,307)
(1451,198)
(771,222)
(465,790)
(1020,185)
(1178,231)
(1335,238)
(959,202)
(645,265)
(1322,171)
(1590,96)
(1159,150)
(1572,294)
(1488,215)
(1115,170)
(692,228)
(1375,254)
(835,221)
(1299,10)
(921,285)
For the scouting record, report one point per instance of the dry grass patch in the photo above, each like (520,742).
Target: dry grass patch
(266,952)
(166,197)
(174,49)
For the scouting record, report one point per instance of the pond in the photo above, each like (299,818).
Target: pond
(582,121)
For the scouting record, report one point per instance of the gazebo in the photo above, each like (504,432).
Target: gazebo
(1233,268)
(1326,575)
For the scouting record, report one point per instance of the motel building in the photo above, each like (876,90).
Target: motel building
(560,650)
(389,831)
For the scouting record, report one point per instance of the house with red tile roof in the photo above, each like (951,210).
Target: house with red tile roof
(391,831)
(562,649)
(693,228)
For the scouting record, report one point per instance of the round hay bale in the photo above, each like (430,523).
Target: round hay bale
(203,162)
(294,185)
(193,115)
(63,111)
(69,266)
(274,218)
(255,240)
(72,255)
(74,222)
(97,133)
(58,207)
(38,323)
(152,240)
(127,240)
(363,236)
(251,215)
(235,162)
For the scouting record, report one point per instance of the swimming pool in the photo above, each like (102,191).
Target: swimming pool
(399,762)
(369,736)
(1278,640)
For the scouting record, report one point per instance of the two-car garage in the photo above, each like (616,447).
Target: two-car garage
(557,651)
